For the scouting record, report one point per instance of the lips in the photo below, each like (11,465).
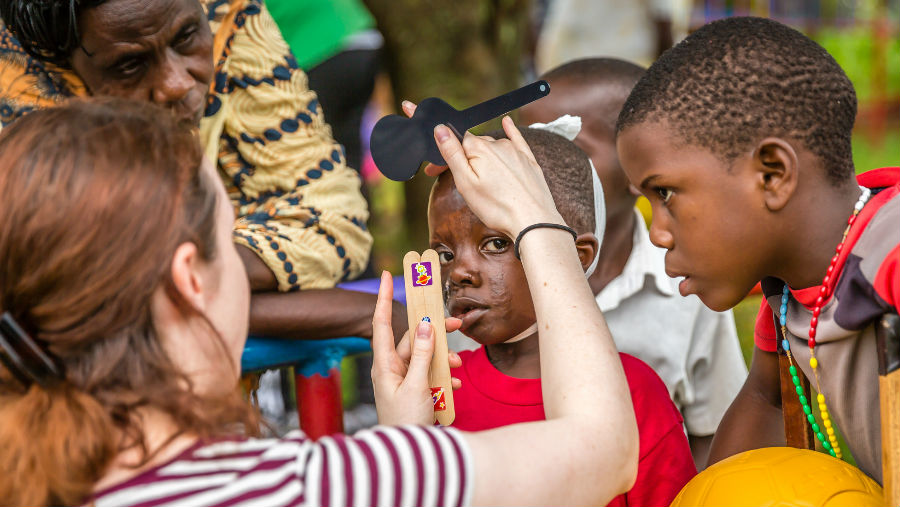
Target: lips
(685,285)
(466,309)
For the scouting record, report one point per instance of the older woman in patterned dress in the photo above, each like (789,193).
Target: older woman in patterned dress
(221,65)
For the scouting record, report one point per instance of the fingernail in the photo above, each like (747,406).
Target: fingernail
(424,328)
(442,133)
(405,104)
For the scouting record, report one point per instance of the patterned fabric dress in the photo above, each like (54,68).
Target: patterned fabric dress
(299,206)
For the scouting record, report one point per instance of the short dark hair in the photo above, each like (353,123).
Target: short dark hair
(567,171)
(598,71)
(46,29)
(737,80)
(615,75)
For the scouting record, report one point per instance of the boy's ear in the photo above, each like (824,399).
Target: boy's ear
(777,166)
(587,246)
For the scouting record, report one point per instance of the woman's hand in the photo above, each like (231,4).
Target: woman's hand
(400,375)
(499,179)
(481,166)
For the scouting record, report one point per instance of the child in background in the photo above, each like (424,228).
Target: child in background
(740,138)
(485,286)
(693,349)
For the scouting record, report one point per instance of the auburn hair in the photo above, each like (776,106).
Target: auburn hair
(97,196)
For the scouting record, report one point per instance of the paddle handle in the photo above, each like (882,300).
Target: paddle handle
(498,106)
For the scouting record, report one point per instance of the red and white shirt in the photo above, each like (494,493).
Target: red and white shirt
(382,466)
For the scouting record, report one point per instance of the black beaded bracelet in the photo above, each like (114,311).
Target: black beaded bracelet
(541,226)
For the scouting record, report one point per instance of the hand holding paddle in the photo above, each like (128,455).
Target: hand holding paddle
(399,145)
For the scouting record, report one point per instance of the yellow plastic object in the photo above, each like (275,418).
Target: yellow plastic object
(643,205)
(781,477)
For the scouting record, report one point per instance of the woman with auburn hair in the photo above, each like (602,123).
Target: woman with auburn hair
(123,314)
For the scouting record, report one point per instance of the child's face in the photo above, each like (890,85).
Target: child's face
(705,214)
(484,283)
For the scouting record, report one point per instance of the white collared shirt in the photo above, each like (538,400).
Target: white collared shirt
(693,349)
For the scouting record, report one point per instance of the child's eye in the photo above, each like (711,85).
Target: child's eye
(496,245)
(445,256)
(664,193)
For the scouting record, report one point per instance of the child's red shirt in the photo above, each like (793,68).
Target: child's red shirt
(488,399)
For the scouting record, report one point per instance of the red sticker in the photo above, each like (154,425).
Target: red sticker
(437,397)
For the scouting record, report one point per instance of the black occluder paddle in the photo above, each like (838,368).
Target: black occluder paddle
(399,145)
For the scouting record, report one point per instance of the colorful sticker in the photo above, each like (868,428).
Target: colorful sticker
(437,397)
(421,274)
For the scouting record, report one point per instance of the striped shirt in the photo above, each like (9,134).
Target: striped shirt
(382,466)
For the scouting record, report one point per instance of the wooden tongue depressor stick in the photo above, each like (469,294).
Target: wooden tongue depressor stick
(425,300)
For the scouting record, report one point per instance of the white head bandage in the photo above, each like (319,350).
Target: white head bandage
(568,127)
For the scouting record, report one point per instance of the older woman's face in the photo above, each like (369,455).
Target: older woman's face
(154,50)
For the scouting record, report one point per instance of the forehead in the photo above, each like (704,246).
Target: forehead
(446,202)
(122,20)
(649,150)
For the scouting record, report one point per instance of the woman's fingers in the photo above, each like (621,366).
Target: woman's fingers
(434,170)
(403,350)
(452,150)
(513,134)
(455,383)
(452,324)
(454,359)
(408,108)
(383,351)
(422,352)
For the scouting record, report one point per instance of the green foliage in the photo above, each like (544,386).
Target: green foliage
(855,51)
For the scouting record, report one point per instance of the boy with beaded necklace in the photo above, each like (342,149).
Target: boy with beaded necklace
(740,138)
(693,349)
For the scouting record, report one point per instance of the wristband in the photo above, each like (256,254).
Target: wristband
(541,226)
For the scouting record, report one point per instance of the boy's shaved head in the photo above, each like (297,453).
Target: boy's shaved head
(567,171)
(737,81)
(616,78)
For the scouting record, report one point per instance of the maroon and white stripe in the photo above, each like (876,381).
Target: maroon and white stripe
(383,467)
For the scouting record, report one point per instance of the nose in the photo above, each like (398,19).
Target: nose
(463,272)
(660,235)
(174,81)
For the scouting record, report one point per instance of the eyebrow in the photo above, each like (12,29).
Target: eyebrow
(648,180)
(182,26)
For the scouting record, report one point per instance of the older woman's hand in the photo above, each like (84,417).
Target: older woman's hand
(400,375)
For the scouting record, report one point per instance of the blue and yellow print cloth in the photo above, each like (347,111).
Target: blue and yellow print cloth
(299,206)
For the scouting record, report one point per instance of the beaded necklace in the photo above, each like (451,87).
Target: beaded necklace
(830,443)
